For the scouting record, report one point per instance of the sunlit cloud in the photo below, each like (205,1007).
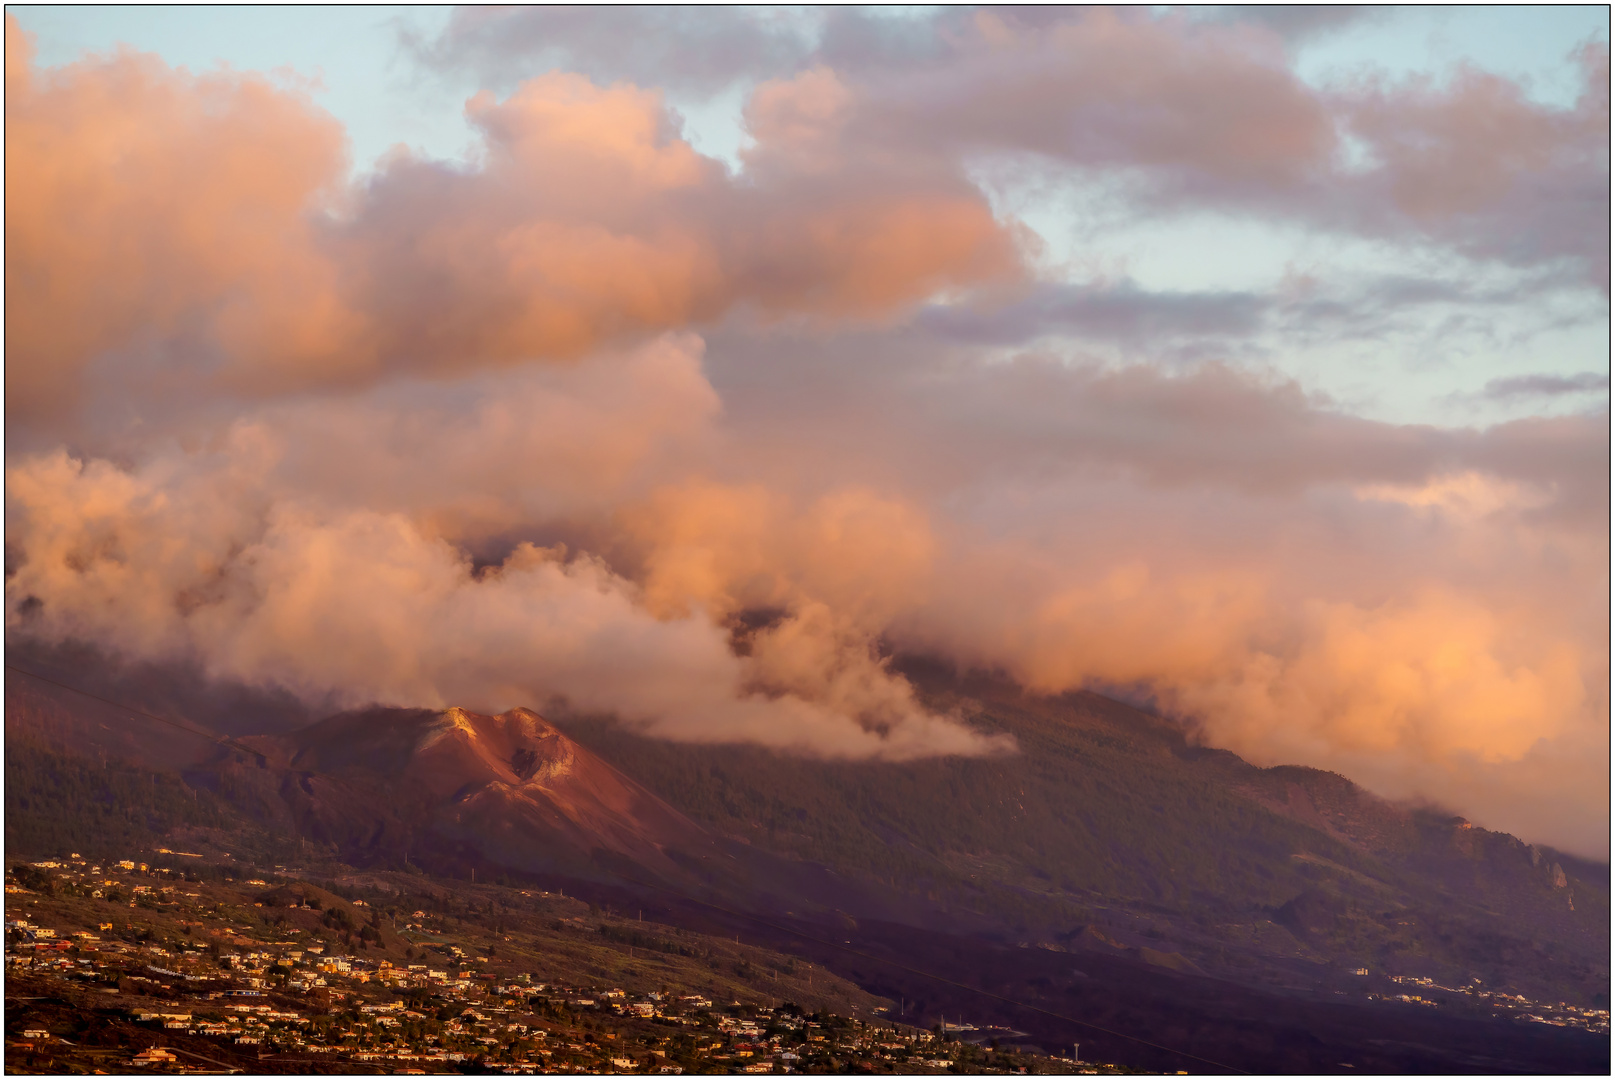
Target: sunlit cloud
(593,418)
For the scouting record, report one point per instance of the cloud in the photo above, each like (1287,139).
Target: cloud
(148,205)
(683,49)
(1119,312)
(1300,23)
(1528,386)
(1478,166)
(589,220)
(358,606)
(190,234)
(1208,114)
(1192,111)
(1116,90)
(1435,643)
(938,416)
(593,417)
(1303,585)
(492,450)
(1229,542)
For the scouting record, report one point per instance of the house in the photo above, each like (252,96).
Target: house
(155,1056)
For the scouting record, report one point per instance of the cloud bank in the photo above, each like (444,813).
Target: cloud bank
(594,417)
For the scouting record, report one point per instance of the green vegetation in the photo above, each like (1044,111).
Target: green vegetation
(59,803)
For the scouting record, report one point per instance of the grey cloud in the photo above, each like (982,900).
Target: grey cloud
(701,50)
(1197,114)
(1567,455)
(1200,109)
(1122,313)
(857,41)
(1299,23)
(1515,387)
(929,413)
(1477,166)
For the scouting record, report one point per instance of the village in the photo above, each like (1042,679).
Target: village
(132,966)
(160,964)
(1428,992)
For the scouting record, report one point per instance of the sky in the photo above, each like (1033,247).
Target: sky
(684,364)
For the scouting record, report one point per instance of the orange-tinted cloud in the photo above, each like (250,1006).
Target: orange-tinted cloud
(361,606)
(329,398)
(149,208)
(197,228)
(1431,628)
(1174,111)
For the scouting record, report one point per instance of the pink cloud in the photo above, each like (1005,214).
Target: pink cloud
(201,220)
(333,396)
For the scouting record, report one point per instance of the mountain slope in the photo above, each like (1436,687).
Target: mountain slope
(446,789)
(1111,830)
(381,784)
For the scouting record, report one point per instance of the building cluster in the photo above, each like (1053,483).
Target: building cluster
(1431,994)
(165,991)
